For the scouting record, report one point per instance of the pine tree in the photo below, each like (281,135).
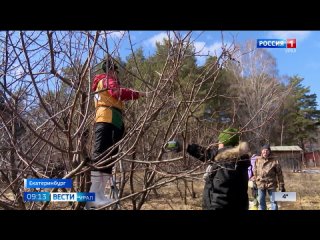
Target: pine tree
(301,116)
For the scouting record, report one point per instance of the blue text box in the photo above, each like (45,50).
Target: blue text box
(36,196)
(86,197)
(271,43)
(47,183)
(64,197)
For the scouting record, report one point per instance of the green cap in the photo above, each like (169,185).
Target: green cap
(229,137)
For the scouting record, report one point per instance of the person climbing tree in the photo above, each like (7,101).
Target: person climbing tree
(109,126)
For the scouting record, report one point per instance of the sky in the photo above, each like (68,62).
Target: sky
(304,62)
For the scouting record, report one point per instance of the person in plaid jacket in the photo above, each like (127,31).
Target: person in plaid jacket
(268,176)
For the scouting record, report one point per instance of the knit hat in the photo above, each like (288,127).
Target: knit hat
(266,146)
(229,137)
(109,64)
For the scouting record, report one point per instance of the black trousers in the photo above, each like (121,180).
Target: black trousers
(106,135)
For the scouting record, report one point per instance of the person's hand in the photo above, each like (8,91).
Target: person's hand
(192,148)
(255,186)
(282,189)
(250,184)
(142,94)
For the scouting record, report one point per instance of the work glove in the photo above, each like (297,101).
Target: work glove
(192,149)
(178,147)
(282,189)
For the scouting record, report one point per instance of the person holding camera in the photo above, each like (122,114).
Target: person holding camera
(226,177)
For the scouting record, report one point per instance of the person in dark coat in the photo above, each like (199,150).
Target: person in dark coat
(226,177)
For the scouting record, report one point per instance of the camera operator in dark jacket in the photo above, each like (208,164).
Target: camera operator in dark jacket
(226,177)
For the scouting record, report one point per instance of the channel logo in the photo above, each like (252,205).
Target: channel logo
(277,43)
(63,197)
(73,197)
(59,197)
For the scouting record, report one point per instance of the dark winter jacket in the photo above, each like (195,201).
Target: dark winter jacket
(227,184)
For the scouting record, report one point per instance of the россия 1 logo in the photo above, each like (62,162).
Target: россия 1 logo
(277,43)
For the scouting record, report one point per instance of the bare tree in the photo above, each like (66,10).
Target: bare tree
(258,92)
(46,78)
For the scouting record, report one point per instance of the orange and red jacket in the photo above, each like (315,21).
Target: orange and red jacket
(111,96)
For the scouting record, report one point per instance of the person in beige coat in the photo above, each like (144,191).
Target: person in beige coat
(268,176)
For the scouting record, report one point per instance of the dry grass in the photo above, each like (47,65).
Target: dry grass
(306,186)
(172,197)
(175,196)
